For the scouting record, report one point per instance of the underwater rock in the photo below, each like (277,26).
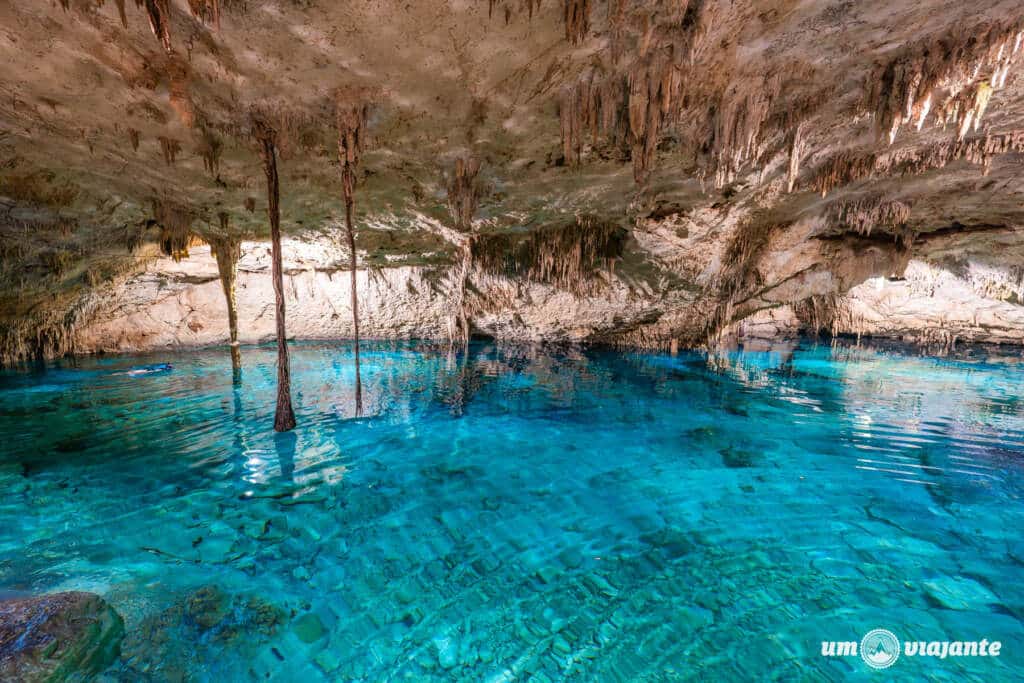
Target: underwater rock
(571,558)
(196,628)
(57,637)
(14,478)
(673,542)
(447,651)
(309,628)
(703,434)
(328,660)
(735,458)
(207,607)
(957,593)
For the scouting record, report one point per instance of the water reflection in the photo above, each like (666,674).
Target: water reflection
(284,444)
(489,501)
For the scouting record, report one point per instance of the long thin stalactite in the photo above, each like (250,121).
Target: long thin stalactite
(351,122)
(463,198)
(266,137)
(227,249)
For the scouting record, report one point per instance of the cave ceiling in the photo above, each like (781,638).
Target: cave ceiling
(889,118)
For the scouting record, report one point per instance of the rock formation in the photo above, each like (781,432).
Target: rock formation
(226,250)
(654,173)
(351,116)
(57,637)
(266,139)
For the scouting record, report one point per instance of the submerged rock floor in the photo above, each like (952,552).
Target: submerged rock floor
(520,513)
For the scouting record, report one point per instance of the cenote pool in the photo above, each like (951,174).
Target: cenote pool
(525,514)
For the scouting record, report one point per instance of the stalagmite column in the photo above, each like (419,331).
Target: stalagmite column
(284,417)
(351,121)
(227,250)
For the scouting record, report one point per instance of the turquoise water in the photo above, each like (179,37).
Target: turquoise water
(525,514)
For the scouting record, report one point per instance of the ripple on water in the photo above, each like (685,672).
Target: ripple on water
(519,511)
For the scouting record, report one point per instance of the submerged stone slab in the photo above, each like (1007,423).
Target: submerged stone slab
(57,637)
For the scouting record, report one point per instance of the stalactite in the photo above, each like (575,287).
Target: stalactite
(175,224)
(134,234)
(738,123)
(210,149)
(697,18)
(45,332)
(635,104)
(594,104)
(567,256)
(819,313)
(850,165)
(227,249)
(37,326)
(121,13)
(796,150)
(576,14)
(463,193)
(951,76)
(531,7)
(616,28)
(863,215)
(458,323)
(170,149)
(842,168)
(743,253)
(965,109)
(266,138)
(159,21)
(739,276)
(177,73)
(569,117)
(463,199)
(206,11)
(654,85)
(351,121)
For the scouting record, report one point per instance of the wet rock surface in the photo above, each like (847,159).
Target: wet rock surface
(57,637)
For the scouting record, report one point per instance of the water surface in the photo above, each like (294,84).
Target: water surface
(525,514)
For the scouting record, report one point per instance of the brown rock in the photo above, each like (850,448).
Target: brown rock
(57,637)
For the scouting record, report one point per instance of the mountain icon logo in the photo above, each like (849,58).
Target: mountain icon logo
(880,648)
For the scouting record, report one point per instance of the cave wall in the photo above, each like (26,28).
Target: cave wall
(960,288)
(954,287)
(174,304)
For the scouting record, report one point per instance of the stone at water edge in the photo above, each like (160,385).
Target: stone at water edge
(58,636)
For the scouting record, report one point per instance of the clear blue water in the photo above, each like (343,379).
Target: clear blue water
(525,514)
